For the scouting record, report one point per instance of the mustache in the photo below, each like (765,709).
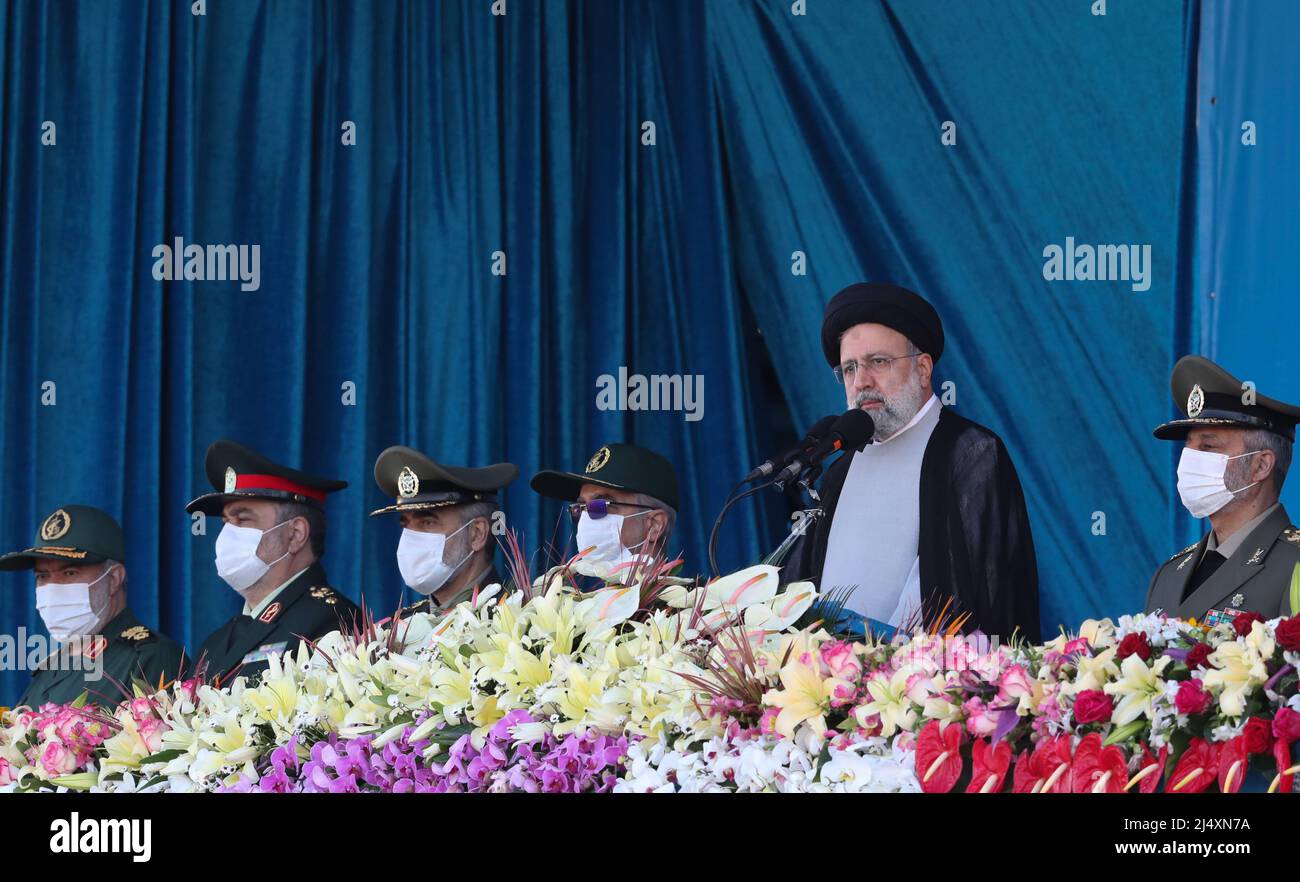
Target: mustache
(863,397)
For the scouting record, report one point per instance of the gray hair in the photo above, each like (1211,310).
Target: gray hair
(109,563)
(471,511)
(285,511)
(1262,439)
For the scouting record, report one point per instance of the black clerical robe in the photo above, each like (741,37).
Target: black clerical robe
(975,543)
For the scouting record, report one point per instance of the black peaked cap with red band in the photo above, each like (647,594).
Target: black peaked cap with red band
(236,472)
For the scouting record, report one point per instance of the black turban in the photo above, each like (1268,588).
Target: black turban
(881,303)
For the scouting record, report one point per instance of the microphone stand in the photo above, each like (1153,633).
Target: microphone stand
(802,521)
(732,499)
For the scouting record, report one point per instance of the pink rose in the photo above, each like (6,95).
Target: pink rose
(841,660)
(919,688)
(141,708)
(980,721)
(1093,706)
(151,733)
(1191,698)
(1015,683)
(69,726)
(57,759)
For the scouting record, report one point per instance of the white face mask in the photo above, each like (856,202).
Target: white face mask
(604,537)
(66,609)
(420,559)
(1200,480)
(237,562)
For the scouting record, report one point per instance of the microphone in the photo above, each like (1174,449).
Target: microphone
(853,429)
(820,428)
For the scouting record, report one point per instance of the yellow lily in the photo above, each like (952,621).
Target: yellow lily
(1137,687)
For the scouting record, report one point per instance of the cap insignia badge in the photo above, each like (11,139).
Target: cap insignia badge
(1195,401)
(408,483)
(230,479)
(56,525)
(598,460)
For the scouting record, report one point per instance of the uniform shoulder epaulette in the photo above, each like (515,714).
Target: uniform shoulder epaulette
(137,634)
(420,606)
(1292,535)
(325,593)
(1179,554)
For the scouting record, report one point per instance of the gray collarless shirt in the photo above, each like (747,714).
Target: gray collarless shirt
(875,534)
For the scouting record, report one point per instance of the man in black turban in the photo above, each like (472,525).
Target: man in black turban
(931,511)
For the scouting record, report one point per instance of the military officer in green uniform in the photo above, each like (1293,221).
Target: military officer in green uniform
(623,506)
(269,552)
(446,513)
(1234,462)
(78,556)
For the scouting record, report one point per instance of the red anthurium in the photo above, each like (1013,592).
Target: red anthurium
(1196,768)
(1026,774)
(1043,768)
(1232,764)
(1282,756)
(1147,782)
(1097,769)
(938,757)
(989,763)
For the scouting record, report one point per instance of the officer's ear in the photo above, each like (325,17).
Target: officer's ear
(299,534)
(658,519)
(924,367)
(116,579)
(480,532)
(1262,467)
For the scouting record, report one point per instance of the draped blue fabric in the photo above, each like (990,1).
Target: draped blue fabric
(522,138)
(1248,238)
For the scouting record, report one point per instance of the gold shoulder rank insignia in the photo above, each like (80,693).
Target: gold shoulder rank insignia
(1185,550)
(325,593)
(1292,535)
(136,632)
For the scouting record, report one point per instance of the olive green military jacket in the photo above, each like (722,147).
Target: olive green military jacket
(432,607)
(1256,578)
(128,651)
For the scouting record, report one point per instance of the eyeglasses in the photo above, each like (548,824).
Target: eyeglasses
(876,365)
(598,508)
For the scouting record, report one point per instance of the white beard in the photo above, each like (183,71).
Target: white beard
(897,410)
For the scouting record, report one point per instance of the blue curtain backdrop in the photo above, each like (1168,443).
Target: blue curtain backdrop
(774,133)
(1248,229)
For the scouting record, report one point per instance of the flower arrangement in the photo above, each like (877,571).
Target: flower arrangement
(667,684)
